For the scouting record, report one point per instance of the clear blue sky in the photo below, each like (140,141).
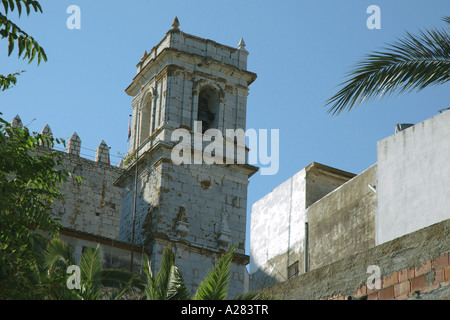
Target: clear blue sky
(299,49)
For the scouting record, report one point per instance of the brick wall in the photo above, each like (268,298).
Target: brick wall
(425,281)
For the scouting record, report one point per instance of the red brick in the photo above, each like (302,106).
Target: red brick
(441,262)
(419,283)
(423,268)
(372,290)
(361,291)
(447,273)
(402,288)
(405,274)
(386,293)
(439,276)
(390,280)
(373,296)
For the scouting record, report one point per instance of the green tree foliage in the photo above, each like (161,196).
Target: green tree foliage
(28,47)
(410,64)
(29,184)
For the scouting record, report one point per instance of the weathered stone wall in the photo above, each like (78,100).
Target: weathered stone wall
(343,222)
(94,205)
(414,266)
(413,178)
(147,200)
(200,211)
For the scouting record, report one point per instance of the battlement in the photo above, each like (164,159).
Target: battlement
(73,146)
(94,205)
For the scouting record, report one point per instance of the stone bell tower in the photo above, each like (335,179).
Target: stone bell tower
(197,208)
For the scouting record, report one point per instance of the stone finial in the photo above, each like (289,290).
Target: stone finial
(144,55)
(74,145)
(102,153)
(241,45)
(175,23)
(17,122)
(182,225)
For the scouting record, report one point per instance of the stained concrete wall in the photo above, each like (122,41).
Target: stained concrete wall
(413,178)
(343,222)
(277,228)
(277,235)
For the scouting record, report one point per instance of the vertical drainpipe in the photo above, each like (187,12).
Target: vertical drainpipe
(306,249)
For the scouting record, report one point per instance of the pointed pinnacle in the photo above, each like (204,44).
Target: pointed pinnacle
(16,122)
(47,130)
(175,23)
(241,43)
(75,137)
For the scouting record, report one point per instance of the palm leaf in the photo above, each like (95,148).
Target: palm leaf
(162,277)
(176,289)
(91,273)
(410,64)
(57,255)
(149,287)
(215,285)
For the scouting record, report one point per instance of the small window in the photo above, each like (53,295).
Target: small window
(145,119)
(293,270)
(208,101)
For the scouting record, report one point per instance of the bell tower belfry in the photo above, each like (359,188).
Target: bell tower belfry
(197,207)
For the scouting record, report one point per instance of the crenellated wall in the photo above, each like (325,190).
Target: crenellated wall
(94,205)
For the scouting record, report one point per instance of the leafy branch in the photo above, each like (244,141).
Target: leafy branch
(28,47)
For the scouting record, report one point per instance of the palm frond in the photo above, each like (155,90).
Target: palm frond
(162,277)
(91,272)
(176,289)
(409,64)
(57,255)
(215,285)
(149,287)
(446,20)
